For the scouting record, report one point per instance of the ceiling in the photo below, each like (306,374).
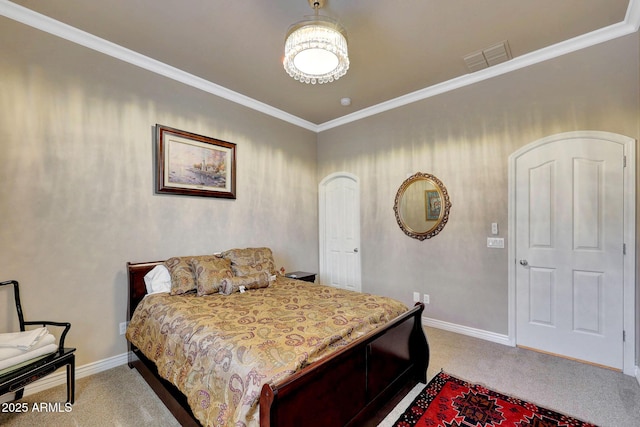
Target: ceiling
(235,48)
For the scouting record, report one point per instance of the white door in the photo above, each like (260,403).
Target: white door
(569,244)
(339,226)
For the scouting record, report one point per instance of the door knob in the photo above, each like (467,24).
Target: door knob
(524,262)
(355,250)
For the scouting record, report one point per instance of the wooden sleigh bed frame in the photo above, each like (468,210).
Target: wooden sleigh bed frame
(355,386)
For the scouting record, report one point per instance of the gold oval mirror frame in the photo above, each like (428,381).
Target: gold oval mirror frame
(422,206)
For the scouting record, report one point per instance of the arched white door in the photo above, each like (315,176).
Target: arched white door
(339,227)
(570,239)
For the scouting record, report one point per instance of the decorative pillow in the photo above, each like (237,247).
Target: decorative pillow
(209,272)
(182,278)
(254,259)
(158,280)
(230,285)
(245,270)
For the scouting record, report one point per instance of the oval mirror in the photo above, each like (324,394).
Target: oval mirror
(422,206)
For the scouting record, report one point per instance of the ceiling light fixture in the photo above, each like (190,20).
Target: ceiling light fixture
(315,49)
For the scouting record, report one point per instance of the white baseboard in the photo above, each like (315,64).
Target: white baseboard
(60,377)
(466,330)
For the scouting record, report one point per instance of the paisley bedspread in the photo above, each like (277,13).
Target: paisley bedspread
(220,349)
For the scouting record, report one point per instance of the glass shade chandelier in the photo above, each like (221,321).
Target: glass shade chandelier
(315,49)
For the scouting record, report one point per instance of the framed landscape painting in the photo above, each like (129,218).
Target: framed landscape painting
(194,165)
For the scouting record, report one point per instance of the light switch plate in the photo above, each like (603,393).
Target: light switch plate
(495,242)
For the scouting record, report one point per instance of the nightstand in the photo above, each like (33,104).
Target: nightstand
(302,275)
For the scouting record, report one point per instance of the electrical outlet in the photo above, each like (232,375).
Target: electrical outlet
(416,296)
(426,298)
(123,327)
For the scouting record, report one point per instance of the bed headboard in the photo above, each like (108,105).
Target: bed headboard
(137,288)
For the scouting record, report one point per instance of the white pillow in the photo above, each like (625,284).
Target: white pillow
(158,280)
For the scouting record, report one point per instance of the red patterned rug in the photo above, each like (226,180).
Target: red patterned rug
(448,401)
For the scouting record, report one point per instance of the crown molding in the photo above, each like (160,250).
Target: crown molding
(75,35)
(628,26)
(633,14)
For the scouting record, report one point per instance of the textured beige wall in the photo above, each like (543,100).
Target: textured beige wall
(464,137)
(76,184)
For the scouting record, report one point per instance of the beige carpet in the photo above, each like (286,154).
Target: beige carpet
(117,397)
(120,397)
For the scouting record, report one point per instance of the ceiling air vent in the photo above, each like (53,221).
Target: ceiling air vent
(490,56)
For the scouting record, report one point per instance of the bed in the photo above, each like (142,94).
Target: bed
(354,383)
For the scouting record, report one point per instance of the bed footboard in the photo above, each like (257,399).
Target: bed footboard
(350,387)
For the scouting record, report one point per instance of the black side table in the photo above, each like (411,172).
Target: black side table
(302,275)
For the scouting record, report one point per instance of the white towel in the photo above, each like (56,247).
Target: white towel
(23,340)
(9,352)
(28,355)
